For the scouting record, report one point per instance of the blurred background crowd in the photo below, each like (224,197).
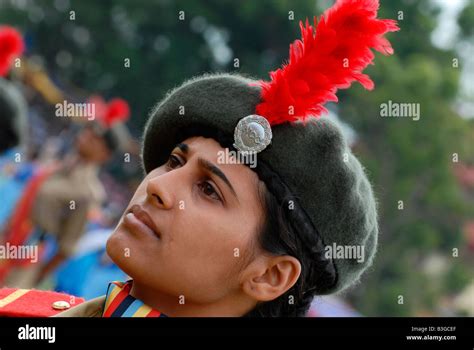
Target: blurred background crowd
(122,56)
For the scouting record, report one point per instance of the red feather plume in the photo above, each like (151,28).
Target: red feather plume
(322,62)
(117,110)
(11,46)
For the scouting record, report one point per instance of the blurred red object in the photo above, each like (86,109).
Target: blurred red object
(11,46)
(34,303)
(117,110)
(465,174)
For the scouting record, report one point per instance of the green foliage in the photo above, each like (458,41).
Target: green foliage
(412,161)
(456,278)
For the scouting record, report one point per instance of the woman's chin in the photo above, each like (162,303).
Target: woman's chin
(118,245)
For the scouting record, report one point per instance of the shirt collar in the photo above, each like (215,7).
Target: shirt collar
(119,302)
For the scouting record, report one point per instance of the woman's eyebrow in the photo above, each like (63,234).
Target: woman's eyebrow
(209,167)
(216,171)
(183,147)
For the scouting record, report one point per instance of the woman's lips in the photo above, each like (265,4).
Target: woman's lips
(138,219)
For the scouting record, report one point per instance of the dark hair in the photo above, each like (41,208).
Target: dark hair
(278,237)
(281,234)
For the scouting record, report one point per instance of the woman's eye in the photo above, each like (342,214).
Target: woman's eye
(173,162)
(209,191)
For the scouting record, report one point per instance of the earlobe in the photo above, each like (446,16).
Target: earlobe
(278,276)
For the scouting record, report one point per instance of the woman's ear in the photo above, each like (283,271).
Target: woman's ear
(271,277)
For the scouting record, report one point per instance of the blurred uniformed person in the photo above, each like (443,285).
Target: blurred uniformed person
(65,198)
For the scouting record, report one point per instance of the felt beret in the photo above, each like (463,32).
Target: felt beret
(311,158)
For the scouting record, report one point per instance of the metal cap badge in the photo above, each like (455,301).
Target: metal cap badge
(252,134)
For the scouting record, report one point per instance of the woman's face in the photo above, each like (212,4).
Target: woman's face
(191,224)
(92,146)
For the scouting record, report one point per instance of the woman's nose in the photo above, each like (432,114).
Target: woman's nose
(160,191)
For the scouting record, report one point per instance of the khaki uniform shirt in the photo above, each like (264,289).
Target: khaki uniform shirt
(63,202)
(91,308)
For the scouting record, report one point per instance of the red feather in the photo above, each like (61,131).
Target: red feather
(324,62)
(11,46)
(117,111)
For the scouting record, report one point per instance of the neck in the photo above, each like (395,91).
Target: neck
(231,306)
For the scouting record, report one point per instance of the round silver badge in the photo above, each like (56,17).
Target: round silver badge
(252,134)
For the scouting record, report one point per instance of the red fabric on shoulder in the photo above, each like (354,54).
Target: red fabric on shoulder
(16,302)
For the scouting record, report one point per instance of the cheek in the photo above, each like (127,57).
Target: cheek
(206,250)
(130,254)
